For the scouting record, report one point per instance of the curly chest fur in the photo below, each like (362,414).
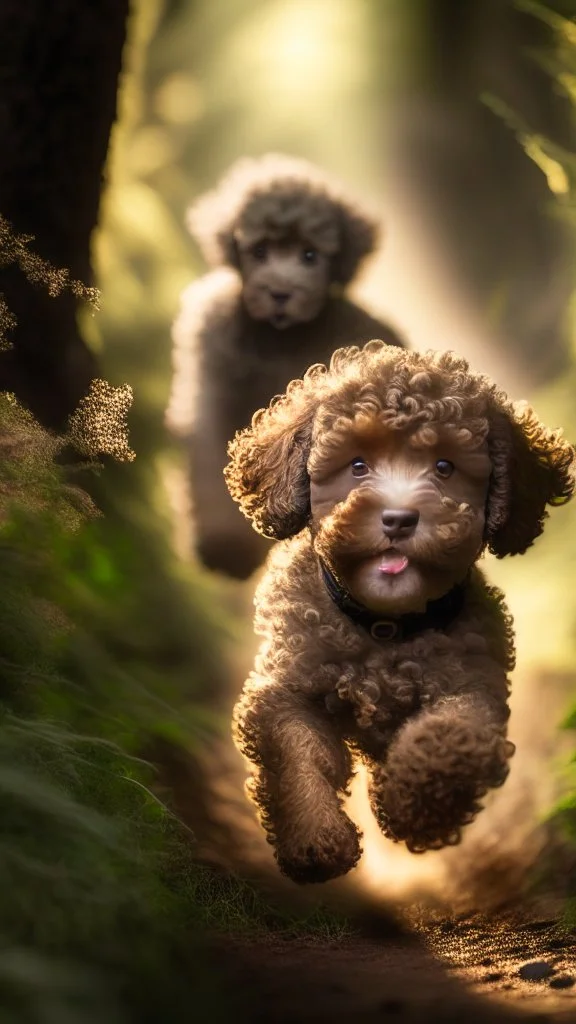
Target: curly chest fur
(374,687)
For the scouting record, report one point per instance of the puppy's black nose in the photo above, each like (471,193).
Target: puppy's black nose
(399,522)
(280,297)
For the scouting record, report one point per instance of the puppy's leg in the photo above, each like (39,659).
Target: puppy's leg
(440,764)
(224,540)
(300,770)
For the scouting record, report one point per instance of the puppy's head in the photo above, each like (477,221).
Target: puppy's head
(287,230)
(404,466)
(285,281)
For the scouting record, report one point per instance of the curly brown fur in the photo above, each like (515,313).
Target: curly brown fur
(282,240)
(438,767)
(427,713)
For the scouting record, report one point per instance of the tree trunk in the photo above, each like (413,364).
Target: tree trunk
(487,202)
(59,67)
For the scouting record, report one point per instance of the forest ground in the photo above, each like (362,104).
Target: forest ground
(465,969)
(414,961)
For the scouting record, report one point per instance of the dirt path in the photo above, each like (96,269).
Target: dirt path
(459,970)
(465,970)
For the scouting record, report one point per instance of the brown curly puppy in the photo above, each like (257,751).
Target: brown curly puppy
(286,242)
(382,639)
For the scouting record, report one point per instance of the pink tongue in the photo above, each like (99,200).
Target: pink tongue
(393,564)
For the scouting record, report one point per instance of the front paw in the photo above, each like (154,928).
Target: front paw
(427,816)
(432,783)
(329,853)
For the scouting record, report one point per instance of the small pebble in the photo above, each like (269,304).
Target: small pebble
(493,976)
(537,970)
(563,981)
(486,962)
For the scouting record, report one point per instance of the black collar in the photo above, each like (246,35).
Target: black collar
(438,615)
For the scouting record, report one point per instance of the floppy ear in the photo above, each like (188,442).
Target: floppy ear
(532,467)
(212,219)
(267,472)
(358,237)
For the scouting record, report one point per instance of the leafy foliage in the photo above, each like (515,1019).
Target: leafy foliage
(91,921)
(16,249)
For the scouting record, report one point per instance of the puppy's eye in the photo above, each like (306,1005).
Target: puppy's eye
(444,468)
(359,467)
(309,256)
(259,251)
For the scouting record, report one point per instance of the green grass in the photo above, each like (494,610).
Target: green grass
(90,925)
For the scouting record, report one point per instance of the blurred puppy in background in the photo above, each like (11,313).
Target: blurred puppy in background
(284,243)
